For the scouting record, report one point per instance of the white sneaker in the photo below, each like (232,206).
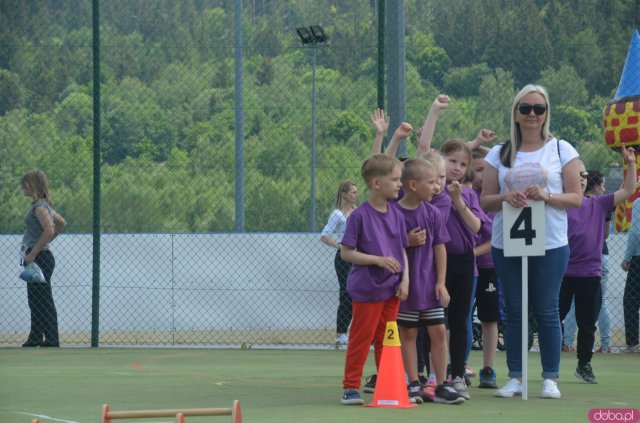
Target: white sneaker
(550,389)
(513,387)
(342,339)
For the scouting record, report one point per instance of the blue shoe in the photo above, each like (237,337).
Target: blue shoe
(488,378)
(351,397)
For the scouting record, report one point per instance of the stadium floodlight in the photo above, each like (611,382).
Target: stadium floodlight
(318,33)
(312,36)
(306,36)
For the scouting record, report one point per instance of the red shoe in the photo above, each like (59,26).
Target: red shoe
(429,392)
(568,348)
(601,351)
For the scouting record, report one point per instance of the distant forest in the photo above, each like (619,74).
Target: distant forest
(168,122)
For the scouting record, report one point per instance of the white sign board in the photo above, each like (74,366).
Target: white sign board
(523,229)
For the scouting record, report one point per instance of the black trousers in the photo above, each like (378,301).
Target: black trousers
(631,302)
(44,318)
(345,312)
(459,284)
(587,292)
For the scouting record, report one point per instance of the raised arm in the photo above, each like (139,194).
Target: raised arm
(381,125)
(429,126)
(629,186)
(484,136)
(404,130)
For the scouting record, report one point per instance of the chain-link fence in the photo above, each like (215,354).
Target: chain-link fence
(174,269)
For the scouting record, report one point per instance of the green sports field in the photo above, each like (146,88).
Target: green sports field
(71,384)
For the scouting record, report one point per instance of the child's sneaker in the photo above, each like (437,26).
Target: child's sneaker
(470,371)
(445,394)
(429,391)
(370,386)
(488,378)
(604,350)
(461,387)
(513,387)
(351,397)
(343,338)
(568,348)
(550,389)
(585,374)
(415,392)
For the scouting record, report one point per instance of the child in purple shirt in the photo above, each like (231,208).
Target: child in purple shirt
(427,293)
(582,278)
(374,242)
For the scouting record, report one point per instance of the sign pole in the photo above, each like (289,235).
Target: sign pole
(524,235)
(525,326)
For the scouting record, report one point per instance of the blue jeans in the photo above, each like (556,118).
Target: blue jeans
(545,278)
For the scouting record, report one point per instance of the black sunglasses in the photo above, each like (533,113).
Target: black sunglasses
(584,174)
(538,109)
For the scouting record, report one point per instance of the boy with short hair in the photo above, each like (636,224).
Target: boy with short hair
(428,296)
(374,242)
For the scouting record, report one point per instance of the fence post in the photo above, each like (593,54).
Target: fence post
(95,291)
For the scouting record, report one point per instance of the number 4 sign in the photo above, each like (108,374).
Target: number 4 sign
(523,229)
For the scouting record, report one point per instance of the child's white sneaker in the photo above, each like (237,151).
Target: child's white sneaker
(513,387)
(550,389)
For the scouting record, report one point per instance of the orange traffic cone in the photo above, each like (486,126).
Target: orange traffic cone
(391,386)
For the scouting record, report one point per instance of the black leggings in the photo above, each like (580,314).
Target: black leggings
(631,302)
(587,292)
(344,307)
(44,318)
(459,283)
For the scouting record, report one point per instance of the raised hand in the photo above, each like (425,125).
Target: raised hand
(629,155)
(404,130)
(486,136)
(441,102)
(380,122)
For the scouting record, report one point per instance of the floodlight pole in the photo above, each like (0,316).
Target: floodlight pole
(312,215)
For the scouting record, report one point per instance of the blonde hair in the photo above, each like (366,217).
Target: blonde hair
(378,165)
(36,181)
(344,186)
(434,157)
(413,168)
(511,147)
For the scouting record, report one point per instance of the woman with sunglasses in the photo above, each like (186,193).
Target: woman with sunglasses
(532,165)
(582,278)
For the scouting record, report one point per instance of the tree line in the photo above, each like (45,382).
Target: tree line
(168,148)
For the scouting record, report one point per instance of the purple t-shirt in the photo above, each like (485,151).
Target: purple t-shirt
(380,234)
(586,235)
(422,269)
(442,202)
(462,238)
(484,261)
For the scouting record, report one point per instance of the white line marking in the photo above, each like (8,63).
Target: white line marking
(43,416)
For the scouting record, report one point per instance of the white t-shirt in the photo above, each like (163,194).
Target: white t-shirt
(335,226)
(541,167)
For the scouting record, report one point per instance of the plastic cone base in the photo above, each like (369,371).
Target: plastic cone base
(391,386)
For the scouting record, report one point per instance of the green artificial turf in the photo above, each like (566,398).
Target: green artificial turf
(71,384)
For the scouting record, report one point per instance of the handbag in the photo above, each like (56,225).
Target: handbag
(32,273)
